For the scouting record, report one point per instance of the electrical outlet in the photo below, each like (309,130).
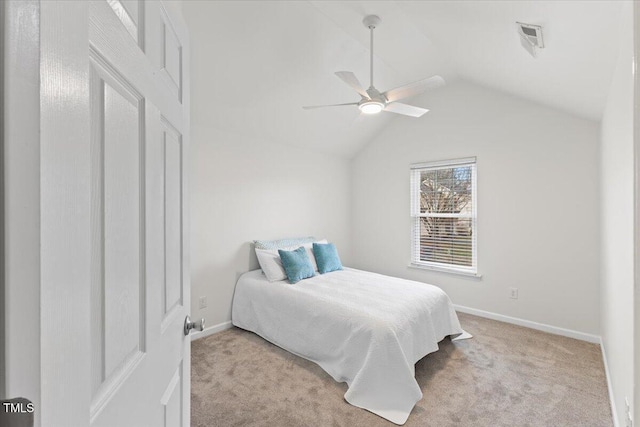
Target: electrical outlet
(513,293)
(202,302)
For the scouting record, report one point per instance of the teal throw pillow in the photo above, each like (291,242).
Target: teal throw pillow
(296,264)
(326,257)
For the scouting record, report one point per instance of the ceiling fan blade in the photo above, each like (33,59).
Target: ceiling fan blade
(311,107)
(405,109)
(349,78)
(413,88)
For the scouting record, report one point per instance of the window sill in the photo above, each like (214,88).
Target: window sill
(445,270)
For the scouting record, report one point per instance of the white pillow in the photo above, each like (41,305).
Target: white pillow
(283,243)
(271,264)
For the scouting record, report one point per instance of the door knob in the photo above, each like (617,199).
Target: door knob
(189,325)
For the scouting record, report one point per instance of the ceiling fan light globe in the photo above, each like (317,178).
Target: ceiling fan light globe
(371,107)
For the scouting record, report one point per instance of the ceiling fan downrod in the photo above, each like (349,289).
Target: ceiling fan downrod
(371,21)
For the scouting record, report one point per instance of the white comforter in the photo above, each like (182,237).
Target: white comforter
(362,328)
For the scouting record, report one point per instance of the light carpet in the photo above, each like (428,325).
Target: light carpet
(506,375)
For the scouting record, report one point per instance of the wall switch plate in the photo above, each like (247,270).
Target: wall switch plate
(513,293)
(202,302)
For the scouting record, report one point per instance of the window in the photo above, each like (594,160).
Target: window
(443,215)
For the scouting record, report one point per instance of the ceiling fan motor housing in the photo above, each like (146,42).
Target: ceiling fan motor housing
(375,95)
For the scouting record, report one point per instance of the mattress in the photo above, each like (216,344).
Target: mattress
(362,328)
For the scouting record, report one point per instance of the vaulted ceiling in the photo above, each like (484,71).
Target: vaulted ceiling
(255,64)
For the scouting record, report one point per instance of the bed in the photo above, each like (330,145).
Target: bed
(362,328)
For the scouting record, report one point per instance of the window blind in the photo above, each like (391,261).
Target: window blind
(443,214)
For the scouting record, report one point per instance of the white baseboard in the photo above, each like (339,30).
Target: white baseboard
(529,324)
(211,330)
(612,401)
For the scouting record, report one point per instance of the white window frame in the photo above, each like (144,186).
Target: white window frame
(415,171)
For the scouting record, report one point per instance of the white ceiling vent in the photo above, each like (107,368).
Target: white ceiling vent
(530,37)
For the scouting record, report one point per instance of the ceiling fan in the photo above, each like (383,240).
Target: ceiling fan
(374,101)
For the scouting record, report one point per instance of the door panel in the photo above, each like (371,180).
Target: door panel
(170,63)
(172,141)
(129,13)
(123,280)
(118,285)
(172,401)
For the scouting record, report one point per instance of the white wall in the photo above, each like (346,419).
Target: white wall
(244,189)
(617,176)
(537,203)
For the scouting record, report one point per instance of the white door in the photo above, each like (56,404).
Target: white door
(114,256)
